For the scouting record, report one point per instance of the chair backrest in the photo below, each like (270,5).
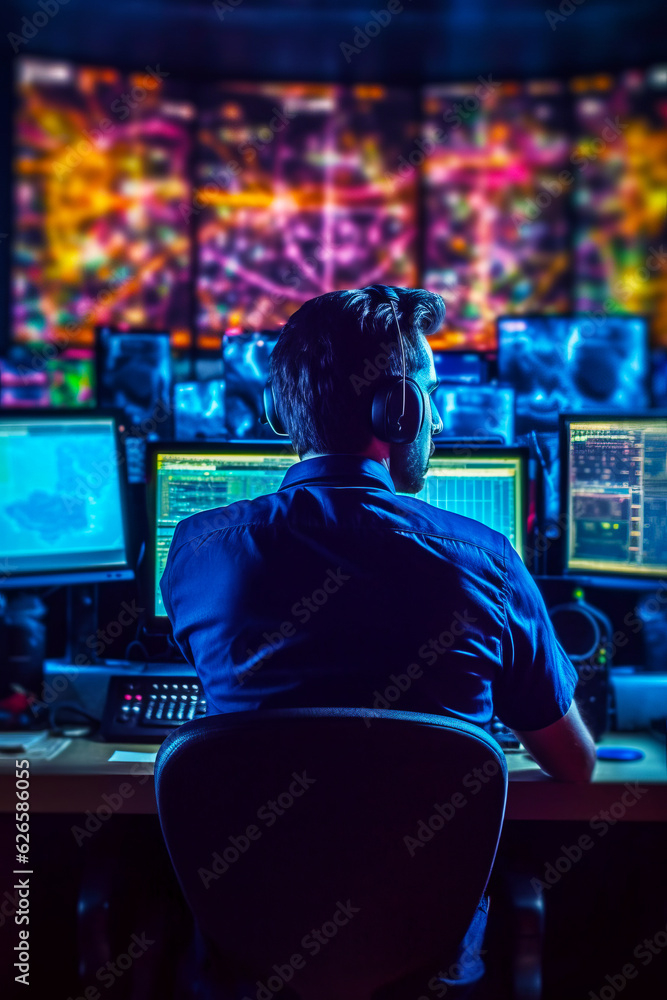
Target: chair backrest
(335,850)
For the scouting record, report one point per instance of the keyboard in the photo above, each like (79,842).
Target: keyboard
(146,709)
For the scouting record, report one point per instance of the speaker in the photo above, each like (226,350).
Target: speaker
(397,412)
(585,633)
(270,412)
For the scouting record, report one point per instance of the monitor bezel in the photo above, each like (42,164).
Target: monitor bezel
(611,576)
(469,449)
(62,577)
(160,623)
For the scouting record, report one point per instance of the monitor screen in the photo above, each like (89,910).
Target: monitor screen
(559,363)
(27,388)
(36,375)
(659,378)
(300,191)
(185,480)
(199,410)
(134,375)
(101,165)
(476,411)
(72,378)
(62,511)
(246,365)
(466,367)
(614,494)
(496,237)
(619,199)
(488,485)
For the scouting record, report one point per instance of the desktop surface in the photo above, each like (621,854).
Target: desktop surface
(82,774)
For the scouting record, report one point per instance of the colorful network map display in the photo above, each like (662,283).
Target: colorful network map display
(506,198)
(298,195)
(621,195)
(496,233)
(101,187)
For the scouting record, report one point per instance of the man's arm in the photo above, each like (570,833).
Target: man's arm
(537,681)
(565,749)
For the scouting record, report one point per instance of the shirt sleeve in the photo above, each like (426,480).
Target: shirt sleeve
(536,683)
(165,588)
(166,577)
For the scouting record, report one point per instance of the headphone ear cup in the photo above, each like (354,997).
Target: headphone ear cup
(388,425)
(270,412)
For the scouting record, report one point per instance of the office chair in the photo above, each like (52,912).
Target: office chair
(359,840)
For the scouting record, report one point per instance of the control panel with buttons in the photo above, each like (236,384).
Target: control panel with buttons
(147,709)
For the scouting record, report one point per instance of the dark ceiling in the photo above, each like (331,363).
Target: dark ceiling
(426,40)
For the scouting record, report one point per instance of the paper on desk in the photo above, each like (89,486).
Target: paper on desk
(48,750)
(20,741)
(132,756)
(34,746)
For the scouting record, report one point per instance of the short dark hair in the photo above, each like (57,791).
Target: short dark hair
(330,354)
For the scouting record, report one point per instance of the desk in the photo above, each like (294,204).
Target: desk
(80,777)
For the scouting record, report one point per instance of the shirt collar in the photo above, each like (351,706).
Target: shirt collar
(339,470)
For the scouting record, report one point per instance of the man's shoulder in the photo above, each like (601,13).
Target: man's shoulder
(414,515)
(206,522)
(394,512)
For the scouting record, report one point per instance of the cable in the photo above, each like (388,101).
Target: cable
(139,643)
(400,340)
(69,707)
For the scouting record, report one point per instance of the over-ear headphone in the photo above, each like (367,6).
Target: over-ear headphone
(270,412)
(398,407)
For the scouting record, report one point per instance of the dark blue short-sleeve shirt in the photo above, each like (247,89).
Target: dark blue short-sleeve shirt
(337,591)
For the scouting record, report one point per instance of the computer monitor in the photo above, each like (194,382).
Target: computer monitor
(476,411)
(466,367)
(31,377)
(322,203)
(27,389)
(659,378)
(199,410)
(486,484)
(614,494)
(62,506)
(103,162)
(246,367)
(134,374)
(572,363)
(72,378)
(187,478)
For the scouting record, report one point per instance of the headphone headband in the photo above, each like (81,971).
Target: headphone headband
(397,426)
(386,291)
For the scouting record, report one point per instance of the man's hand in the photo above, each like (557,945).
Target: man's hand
(565,749)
